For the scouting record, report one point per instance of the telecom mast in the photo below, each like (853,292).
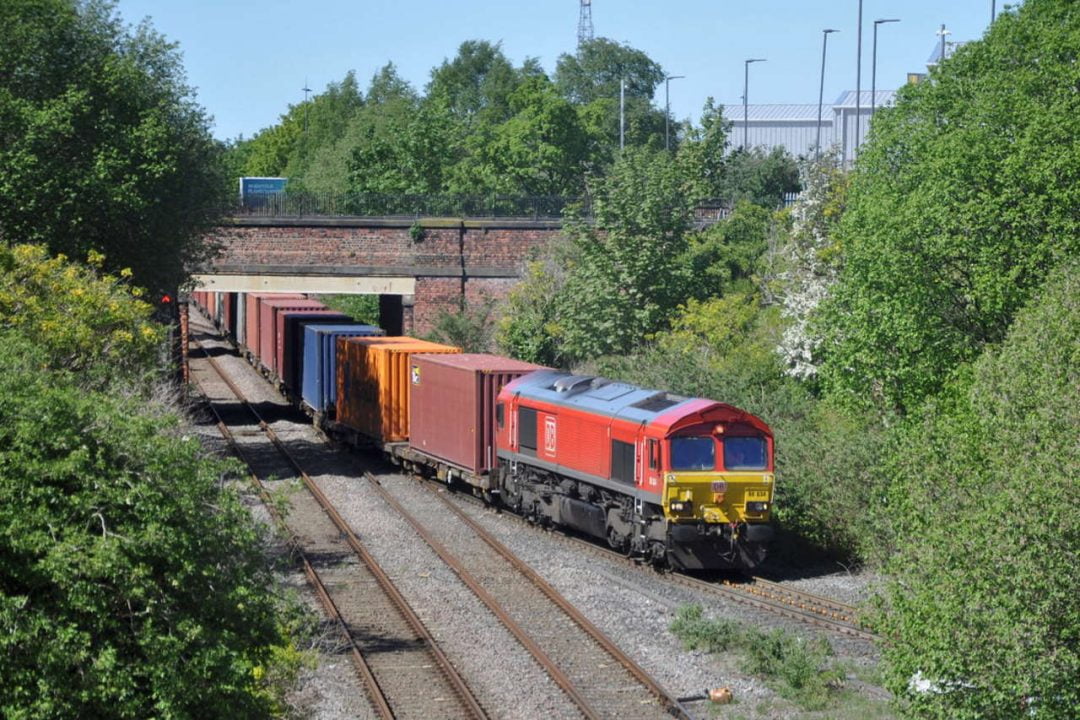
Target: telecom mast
(584,27)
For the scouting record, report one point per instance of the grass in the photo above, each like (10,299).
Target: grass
(798,669)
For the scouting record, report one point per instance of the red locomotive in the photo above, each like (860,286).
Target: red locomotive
(685,482)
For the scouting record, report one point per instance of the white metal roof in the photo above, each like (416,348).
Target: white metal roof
(780,113)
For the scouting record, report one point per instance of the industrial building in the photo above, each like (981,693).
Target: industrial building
(795,126)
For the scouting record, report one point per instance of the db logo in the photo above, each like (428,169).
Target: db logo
(549,435)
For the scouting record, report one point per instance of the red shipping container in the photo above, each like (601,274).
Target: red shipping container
(453,406)
(269,309)
(251,316)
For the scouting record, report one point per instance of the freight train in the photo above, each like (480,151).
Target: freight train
(685,483)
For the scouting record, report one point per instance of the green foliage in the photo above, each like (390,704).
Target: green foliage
(797,668)
(528,328)
(91,325)
(627,281)
(101,144)
(725,255)
(758,176)
(965,197)
(476,85)
(539,150)
(471,328)
(361,308)
(590,80)
(703,155)
(131,584)
(984,512)
(697,632)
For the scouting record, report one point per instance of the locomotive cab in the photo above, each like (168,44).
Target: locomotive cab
(718,487)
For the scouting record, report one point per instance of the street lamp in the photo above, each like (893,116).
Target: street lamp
(858,80)
(943,33)
(667,109)
(821,91)
(873,65)
(745,99)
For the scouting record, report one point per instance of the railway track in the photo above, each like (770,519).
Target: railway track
(404,672)
(754,591)
(601,680)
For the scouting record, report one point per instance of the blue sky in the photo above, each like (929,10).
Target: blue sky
(249,59)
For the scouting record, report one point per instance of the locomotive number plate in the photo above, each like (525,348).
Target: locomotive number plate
(719,486)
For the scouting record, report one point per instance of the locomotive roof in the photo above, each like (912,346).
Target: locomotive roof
(598,395)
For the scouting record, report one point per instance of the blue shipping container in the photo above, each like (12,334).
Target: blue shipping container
(291,371)
(319,371)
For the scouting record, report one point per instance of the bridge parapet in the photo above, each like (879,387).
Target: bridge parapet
(444,261)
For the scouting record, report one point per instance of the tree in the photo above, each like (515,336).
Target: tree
(966,195)
(808,262)
(476,85)
(590,79)
(101,144)
(628,279)
(725,255)
(540,150)
(598,68)
(757,176)
(982,607)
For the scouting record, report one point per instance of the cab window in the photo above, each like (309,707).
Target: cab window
(744,453)
(693,453)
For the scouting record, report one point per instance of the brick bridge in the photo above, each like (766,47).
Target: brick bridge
(418,268)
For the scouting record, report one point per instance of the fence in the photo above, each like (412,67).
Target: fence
(300,204)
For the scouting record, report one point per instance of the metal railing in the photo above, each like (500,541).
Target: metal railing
(536,207)
(306,204)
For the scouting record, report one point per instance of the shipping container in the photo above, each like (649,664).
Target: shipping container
(453,398)
(289,357)
(251,316)
(241,314)
(319,369)
(373,384)
(229,314)
(269,308)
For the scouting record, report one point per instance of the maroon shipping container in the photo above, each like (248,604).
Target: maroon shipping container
(251,316)
(269,309)
(453,406)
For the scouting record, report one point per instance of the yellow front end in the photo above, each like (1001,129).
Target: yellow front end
(718,497)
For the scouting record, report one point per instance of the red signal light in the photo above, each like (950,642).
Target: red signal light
(165,299)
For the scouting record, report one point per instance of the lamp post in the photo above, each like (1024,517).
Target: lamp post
(667,109)
(873,65)
(622,113)
(943,33)
(821,90)
(746,99)
(993,11)
(858,81)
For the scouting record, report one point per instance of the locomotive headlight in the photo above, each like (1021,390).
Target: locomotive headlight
(681,506)
(757,507)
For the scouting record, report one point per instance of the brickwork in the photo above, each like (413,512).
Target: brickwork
(480,258)
(487,249)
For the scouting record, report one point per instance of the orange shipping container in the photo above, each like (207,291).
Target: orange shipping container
(373,377)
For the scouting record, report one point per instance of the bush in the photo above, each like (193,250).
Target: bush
(983,603)
(131,584)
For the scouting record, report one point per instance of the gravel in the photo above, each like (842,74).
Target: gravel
(633,607)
